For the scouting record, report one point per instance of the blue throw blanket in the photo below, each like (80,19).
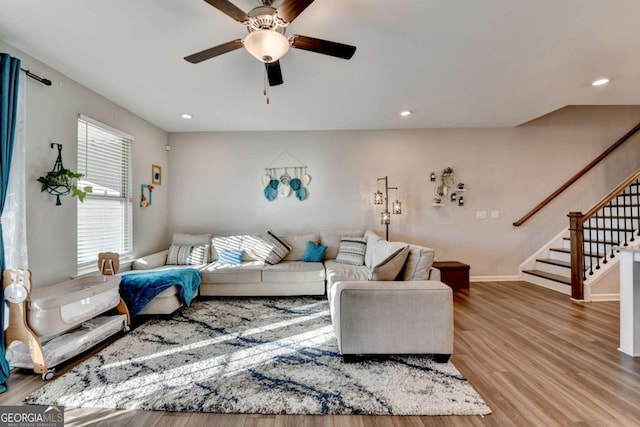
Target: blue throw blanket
(137,289)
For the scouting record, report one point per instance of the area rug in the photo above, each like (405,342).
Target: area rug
(260,356)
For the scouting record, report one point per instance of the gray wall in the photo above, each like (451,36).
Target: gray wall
(211,181)
(52,117)
(216,186)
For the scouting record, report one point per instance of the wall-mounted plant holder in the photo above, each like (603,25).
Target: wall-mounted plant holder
(144,201)
(446,188)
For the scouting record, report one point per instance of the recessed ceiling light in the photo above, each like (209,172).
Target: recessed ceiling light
(186,116)
(600,82)
(405,113)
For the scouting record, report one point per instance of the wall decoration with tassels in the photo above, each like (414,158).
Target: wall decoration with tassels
(279,184)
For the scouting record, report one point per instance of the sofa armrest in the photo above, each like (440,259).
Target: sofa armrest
(150,261)
(434,274)
(414,317)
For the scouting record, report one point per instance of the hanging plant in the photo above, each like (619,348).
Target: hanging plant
(61,181)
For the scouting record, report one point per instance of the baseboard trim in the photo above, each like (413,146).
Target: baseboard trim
(495,278)
(605,297)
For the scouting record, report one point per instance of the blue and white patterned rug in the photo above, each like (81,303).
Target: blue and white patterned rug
(268,356)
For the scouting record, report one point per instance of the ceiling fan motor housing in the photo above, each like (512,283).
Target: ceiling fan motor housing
(265,18)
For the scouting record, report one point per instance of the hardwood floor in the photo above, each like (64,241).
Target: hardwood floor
(534,356)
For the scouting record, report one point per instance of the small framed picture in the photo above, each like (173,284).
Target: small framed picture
(156,174)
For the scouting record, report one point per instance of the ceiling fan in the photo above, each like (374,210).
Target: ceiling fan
(266,40)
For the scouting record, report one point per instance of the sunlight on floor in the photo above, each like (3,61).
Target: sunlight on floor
(216,340)
(135,390)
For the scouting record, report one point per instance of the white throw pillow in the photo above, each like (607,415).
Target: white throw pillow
(372,240)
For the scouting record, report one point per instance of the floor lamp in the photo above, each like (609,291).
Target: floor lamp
(379,198)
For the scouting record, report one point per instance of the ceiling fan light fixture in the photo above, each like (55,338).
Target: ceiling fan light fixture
(266,45)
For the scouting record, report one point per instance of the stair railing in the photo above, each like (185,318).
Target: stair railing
(589,244)
(577,176)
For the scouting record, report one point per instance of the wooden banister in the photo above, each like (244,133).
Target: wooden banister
(577,176)
(606,199)
(577,222)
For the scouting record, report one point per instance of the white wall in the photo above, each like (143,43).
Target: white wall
(215,183)
(52,117)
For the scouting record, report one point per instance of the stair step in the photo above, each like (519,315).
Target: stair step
(555,262)
(549,276)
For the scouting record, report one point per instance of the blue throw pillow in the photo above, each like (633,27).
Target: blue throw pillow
(314,252)
(230,256)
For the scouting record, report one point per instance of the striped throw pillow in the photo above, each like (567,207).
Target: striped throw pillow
(352,250)
(279,249)
(187,255)
(230,256)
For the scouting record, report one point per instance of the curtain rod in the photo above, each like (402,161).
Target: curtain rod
(46,82)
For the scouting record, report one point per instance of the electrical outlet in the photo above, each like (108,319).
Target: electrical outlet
(495,214)
(481,214)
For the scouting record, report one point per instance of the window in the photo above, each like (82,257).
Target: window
(105,217)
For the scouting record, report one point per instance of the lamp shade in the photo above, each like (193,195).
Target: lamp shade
(377,198)
(385,217)
(266,45)
(396,207)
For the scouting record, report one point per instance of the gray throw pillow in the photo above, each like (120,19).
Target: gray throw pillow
(389,269)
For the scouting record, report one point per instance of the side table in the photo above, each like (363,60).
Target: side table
(453,273)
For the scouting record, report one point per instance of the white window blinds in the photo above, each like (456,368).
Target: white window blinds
(105,217)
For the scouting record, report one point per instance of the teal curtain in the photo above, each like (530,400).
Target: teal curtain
(9,75)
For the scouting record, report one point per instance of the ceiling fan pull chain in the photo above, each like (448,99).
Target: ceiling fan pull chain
(265,91)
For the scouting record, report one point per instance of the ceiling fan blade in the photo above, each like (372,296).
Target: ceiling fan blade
(229,9)
(274,73)
(325,47)
(214,51)
(290,9)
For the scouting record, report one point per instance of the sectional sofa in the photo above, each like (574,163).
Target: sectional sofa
(392,303)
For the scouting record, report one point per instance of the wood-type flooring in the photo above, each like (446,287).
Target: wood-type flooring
(536,358)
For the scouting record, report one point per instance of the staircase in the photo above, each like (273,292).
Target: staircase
(612,222)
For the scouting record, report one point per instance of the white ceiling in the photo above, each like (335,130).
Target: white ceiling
(455,63)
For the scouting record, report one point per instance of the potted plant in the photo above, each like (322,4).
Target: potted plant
(61,181)
(447,176)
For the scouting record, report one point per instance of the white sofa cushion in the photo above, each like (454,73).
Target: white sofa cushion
(372,240)
(293,272)
(418,263)
(247,272)
(331,239)
(298,245)
(200,243)
(338,272)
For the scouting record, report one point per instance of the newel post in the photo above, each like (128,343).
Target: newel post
(577,252)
